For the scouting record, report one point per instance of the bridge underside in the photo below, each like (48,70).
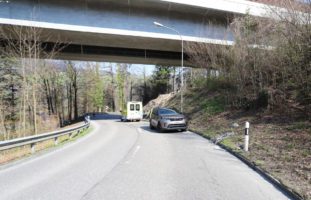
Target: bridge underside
(85,46)
(121,55)
(118,31)
(138,47)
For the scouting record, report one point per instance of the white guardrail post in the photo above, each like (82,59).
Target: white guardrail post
(33,147)
(56,141)
(246,141)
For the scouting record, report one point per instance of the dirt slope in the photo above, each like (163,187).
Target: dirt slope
(160,101)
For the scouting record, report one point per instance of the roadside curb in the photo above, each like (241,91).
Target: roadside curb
(289,192)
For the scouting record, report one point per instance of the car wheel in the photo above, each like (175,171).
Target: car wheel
(150,126)
(159,127)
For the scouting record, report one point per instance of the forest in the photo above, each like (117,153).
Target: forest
(39,93)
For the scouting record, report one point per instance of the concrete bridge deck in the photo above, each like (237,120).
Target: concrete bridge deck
(90,27)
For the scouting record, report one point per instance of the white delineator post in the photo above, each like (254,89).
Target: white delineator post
(246,141)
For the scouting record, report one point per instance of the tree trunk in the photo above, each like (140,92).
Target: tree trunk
(47,96)
(131,91)
(174,75)
(113,105)
(69,97)
(75,97)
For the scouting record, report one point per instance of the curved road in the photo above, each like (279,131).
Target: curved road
(128,161)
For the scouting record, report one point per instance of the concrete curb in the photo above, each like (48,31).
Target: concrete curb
(288,191)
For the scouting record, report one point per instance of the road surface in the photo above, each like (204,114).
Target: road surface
(127,161)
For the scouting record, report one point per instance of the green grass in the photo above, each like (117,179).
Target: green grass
(77,136)
(299,126)
(229,143)
(306,153)
(290,146)
(210,133)
(259,162)
(214,106)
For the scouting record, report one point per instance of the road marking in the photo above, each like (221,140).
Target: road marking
(140,130)
(136,150)
(217,148)
(133,155)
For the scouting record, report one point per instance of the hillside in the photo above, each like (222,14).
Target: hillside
(278,144)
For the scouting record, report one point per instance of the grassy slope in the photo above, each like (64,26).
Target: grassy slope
(278,145)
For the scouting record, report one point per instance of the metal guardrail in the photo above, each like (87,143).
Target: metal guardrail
(33,140)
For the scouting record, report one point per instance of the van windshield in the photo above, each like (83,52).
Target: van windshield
(167,112)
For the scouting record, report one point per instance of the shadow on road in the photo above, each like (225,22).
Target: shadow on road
(147,128)
(106,116)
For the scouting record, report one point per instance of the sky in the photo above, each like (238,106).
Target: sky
(139,68)
(134,68)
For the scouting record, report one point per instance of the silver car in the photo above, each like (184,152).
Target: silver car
(167,119)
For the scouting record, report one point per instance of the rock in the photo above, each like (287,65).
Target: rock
(234,125)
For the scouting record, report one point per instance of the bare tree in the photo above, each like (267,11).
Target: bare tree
(24,46)
(269,63)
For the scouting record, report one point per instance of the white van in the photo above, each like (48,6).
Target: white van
(134,111)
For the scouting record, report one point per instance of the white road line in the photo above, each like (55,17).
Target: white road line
(217,148)
(140,130)
(136,150)
(133,155)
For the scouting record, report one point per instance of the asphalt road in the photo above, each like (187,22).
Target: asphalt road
(128,161)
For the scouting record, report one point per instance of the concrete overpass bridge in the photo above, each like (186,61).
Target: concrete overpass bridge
(123,31)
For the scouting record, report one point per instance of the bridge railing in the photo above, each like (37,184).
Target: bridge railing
(33,140)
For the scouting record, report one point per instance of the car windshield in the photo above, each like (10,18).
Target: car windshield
(167,112)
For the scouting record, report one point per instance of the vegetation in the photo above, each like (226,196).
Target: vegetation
(162,81)
(39,94)
(121,74)
(269,64)
(213,106)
